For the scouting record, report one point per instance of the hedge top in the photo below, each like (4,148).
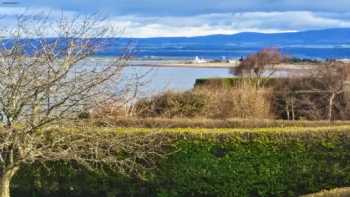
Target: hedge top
(272,130)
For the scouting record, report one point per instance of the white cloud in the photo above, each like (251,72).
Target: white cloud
(205,24)
(228,23)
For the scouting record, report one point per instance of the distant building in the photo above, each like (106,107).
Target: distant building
(345,60)
(233,61)
(199,60)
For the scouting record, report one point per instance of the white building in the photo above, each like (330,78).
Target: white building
(198,60)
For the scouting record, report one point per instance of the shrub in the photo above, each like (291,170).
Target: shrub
(170,105)
(306,98)
(215,162)
(234,82)
(84,115)
(244,101)
(111,110)
(256,164)
(255,65)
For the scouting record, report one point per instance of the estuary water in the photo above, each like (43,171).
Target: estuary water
(160,79)
(152,80)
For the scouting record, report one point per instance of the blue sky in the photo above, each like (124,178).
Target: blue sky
(150,18)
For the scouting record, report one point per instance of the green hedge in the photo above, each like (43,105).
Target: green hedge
(235,81)
(254,162)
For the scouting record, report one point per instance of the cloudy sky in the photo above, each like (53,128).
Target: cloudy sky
(152,18)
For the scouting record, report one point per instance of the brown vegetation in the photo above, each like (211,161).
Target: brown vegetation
(171,105)
(246,101)
(340,192)
(255,65)
(44,83)
(319,95)
(136,122)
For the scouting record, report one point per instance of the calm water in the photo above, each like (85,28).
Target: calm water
(218,51)
(153,80)
(162,79)
(179,79)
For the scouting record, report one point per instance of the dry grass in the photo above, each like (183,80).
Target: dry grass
(204,123)
(340,192)
(245,101)
(311,132)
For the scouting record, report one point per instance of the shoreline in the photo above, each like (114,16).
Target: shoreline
(191,64)
(186,64)
(181,64)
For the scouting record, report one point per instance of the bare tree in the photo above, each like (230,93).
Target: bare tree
(285,97)
(329,80)
(260,64)
(46,80)
(318,93)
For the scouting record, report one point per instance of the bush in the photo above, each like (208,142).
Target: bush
(304,98)
(244,101)
(257,164)
(64,179)
(217,162)
(84,115)
(234,82)
(110,110)
(170,105)
(293,98)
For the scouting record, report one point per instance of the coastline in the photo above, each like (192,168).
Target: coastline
(167,63)
(181,64)
(187,64)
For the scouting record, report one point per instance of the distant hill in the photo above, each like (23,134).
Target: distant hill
(340,36)
(327,43)
(315,37)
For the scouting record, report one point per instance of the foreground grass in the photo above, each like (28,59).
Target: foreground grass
(341,192)
(294,129)
(208,123)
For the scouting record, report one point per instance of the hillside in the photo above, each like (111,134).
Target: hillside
(339,36)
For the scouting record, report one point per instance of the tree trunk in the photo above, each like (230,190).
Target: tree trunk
(293,111)
(287,107)
(6,181)
(331,104)
(287,111)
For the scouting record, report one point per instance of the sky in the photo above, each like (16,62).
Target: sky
(159,18)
